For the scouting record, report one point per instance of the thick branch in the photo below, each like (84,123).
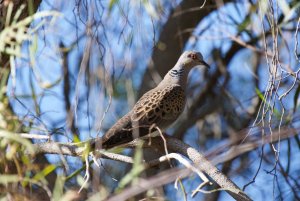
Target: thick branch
(204,165)
(173,37)
(175,145)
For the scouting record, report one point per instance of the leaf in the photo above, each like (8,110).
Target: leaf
(261,96)
(76,139)
(284,6)
(136,170)
(17,138)
(150,9)
(112,4)
(18,14)
(76,172)
(263,5)
(4,76)
(58,188)
(244,24)
(6,179)
(287,11)
(47,170)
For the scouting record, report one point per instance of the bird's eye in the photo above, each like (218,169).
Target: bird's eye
(192,56)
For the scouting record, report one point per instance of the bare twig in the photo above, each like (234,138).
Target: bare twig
(251,143)
(87,172)
(35,136)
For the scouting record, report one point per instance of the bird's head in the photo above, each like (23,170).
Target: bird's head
(191,59)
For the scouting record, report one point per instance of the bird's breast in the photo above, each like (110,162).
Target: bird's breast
(160,106)
(174,101)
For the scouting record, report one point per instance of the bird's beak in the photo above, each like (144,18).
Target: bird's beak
(204,64)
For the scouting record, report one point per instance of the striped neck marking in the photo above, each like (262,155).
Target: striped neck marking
(177,73)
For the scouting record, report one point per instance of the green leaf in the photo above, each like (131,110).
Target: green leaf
(6,179)
(78,171)
(242,26)
(136,170)
(58,190)
(17,138)
(150,9)
(261,96)
(47,170)
(263,5)
(112,3)
(4,76)
(76,139)
(284,6)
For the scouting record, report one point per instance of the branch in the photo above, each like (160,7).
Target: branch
(161,178)
(169,176)
(245,144)
(76,149)
(186,16)
(173,145)
(204,165)
(201,163)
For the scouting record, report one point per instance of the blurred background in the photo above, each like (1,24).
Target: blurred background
(70,69)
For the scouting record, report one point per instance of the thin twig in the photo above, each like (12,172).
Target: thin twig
(35,136)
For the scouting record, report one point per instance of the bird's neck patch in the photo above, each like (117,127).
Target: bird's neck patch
(176,72)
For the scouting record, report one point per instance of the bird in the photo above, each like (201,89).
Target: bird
(157,109)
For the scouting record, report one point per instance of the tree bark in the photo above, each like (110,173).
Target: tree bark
(173,37)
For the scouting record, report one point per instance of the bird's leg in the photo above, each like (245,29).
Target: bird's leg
(149,133)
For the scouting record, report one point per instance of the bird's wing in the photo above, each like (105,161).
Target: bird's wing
(159,107)
(119,133)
